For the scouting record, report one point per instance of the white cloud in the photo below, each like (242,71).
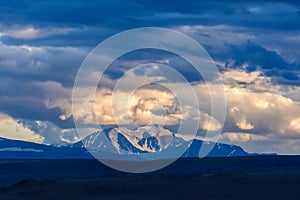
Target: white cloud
(145,106)
(256,105)
(31,32)
(242,137)
(51,133)
(294,125)
(258,108)
(236,76)
(12,129)
(244,125)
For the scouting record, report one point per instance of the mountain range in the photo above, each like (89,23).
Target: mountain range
(118,141)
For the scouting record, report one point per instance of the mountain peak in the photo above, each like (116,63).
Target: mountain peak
(118,141)
(121,140)
(150,139)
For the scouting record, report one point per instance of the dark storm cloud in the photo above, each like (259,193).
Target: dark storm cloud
(143,56)
(26,75)
(254,57)
(116,16)
(24,99)
(78,12)
(92,22)
(65,31)
(40,64)
(131,13)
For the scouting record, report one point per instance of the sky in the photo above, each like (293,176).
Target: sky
(254,44)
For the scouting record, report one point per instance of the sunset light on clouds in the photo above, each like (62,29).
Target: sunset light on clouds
(257,54)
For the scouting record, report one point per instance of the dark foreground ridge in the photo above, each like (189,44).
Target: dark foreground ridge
(264,177)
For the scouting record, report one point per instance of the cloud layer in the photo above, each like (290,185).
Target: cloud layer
(255,45)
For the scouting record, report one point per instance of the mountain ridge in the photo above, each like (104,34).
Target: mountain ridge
(115,141)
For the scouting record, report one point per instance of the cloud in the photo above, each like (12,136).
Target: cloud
(29,63)
(252,49)
(134,99)
(256,47)
(258,110)
(30,32)
(145,106)
(261,115)
(29,100)
(241,137)
(254,102)
(51,133)
(255,106)
(30,76)
(274,16)
(244,125)
(13,129)
(294,125)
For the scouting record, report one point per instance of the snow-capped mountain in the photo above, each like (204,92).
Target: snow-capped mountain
(145,139)
(116,141)
(150,139)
